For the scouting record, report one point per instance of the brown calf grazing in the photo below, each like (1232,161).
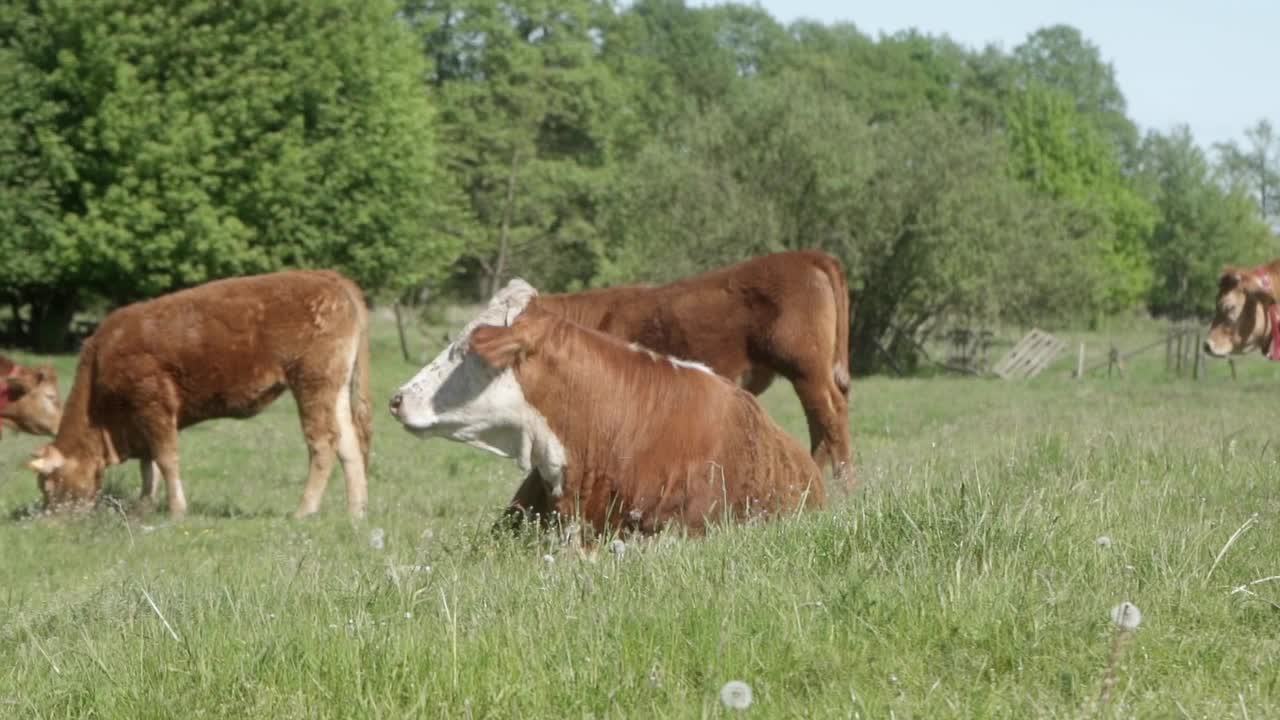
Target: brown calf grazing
(1247,315)
(620,436)
(29,398)
(781,314)
(225,349)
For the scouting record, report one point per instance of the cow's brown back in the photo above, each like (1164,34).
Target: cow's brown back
(781,314)
(227,345)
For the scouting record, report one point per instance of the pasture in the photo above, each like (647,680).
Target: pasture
(971,576)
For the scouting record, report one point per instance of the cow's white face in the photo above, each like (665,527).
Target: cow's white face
(459,397)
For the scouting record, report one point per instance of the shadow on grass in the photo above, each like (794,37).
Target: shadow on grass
(115,501)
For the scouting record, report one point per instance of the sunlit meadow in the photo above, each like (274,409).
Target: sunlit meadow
(974,574)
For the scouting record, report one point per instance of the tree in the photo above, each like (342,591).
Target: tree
(930,226)
(525,107)
(1255,169)
(1202,226)
(1061,58)
(165,144)
(1058,152)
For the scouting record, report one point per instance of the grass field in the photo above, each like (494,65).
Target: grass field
(966,579)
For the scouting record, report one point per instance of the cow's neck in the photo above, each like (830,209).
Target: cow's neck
(78,435)
(588,309)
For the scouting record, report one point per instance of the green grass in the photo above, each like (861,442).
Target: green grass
(964,580)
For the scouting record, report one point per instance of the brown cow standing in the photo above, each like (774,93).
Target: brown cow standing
(782,314)
(29,398)
(1247,316)
(624,438)
(224,349)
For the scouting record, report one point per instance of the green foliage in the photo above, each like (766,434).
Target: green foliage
(923,213)
(524,107)
(1202,227)
(152,146)
(1061,58)
(176,142)
(1255,169)
(1058,152)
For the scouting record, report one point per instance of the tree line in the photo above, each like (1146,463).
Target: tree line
(446,145)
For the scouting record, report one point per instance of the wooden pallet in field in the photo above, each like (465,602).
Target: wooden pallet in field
(1031,355)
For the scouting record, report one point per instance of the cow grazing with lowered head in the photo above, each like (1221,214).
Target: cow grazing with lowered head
(781,314)
(620,436)
(29,398)
(225,349)
(1247,315)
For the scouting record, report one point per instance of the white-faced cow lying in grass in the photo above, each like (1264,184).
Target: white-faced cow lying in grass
(621,437)
(1247,316)
(225,349)
(29,398)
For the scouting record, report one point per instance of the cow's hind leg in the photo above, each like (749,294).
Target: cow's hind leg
(167,461)
(161,432)
(323,391)
(827,413)
(351,454)
(147,500)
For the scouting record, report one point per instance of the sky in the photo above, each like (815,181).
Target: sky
(1213,65)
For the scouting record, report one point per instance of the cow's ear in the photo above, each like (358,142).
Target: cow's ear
(499,347)
(46,460)
(1230,279)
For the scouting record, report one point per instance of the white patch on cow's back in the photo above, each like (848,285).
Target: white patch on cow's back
(689,364)
(675,362)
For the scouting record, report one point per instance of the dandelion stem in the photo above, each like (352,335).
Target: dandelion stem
(160,615)
(1230,541)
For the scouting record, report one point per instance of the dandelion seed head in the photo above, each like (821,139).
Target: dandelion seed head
(736,695)
(618,548)
(549,559)
(1103,542)
(1126,616)
(377,538)
(408,615)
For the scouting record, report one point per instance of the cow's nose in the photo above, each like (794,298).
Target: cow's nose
(396,401)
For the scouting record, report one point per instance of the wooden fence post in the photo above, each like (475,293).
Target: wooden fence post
(1178,354)
(1200,359)
(404,341)
(1080,363)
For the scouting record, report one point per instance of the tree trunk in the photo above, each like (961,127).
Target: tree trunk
(504,235)
(50,327)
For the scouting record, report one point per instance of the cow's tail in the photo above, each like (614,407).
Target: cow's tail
(361,408)
(840,288)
